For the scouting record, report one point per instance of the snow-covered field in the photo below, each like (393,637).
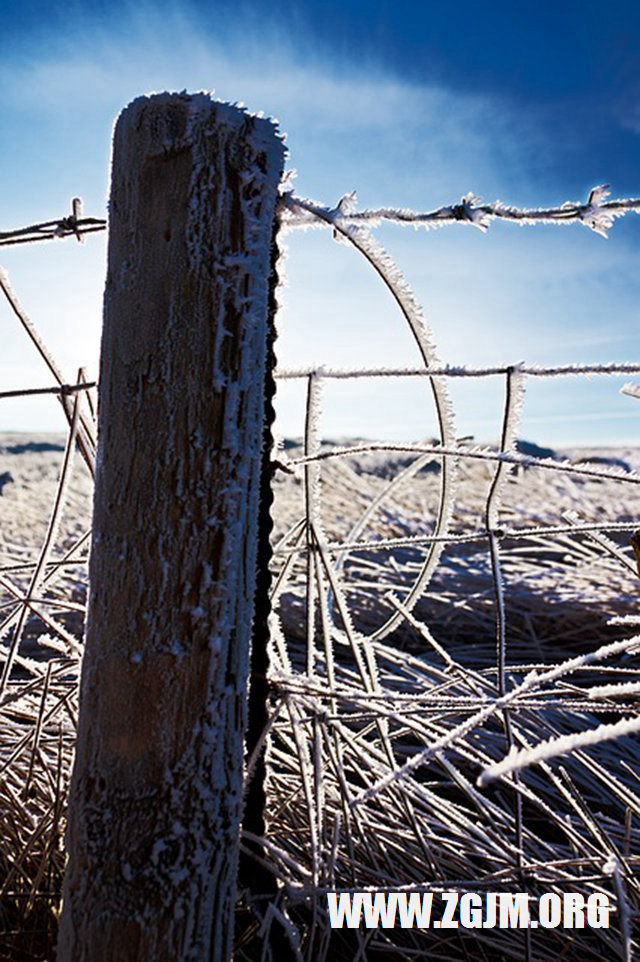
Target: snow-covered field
(558,586)
(352,714)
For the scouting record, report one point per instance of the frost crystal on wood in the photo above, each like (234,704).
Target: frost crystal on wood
(157,790)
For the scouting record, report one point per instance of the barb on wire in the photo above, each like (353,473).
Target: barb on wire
(597,212)
(379,750)
(74,225)
(62,390)
(387,746)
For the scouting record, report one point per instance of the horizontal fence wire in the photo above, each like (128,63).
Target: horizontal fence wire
(598,213)
(405,635)
(74,225)
(61,390)
(440,610)
(560,370)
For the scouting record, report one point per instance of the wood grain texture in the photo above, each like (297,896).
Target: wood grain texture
(157,788)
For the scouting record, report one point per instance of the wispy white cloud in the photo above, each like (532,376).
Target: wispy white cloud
(349,125)
(335,108)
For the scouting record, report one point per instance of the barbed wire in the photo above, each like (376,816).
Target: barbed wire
(73,225)
(367,691)
(597,212)
(356,585)
(62,390)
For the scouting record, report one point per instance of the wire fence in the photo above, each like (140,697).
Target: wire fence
(45,515)
(455,640)
(454,665)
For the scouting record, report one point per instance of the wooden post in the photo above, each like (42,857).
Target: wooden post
(156,795)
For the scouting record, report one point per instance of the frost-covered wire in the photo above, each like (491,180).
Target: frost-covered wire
(448,370)
(533,680)
(411,311)
(355,715)
(632,390)
(517,760)
(597,212)
(478,453)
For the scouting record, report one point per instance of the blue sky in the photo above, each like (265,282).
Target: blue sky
(412,104)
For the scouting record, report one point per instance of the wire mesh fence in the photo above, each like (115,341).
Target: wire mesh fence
(454,663)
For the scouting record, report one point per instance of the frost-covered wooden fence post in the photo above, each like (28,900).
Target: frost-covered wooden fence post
(156,793)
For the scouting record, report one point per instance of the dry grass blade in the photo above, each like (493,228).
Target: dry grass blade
(390,696)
